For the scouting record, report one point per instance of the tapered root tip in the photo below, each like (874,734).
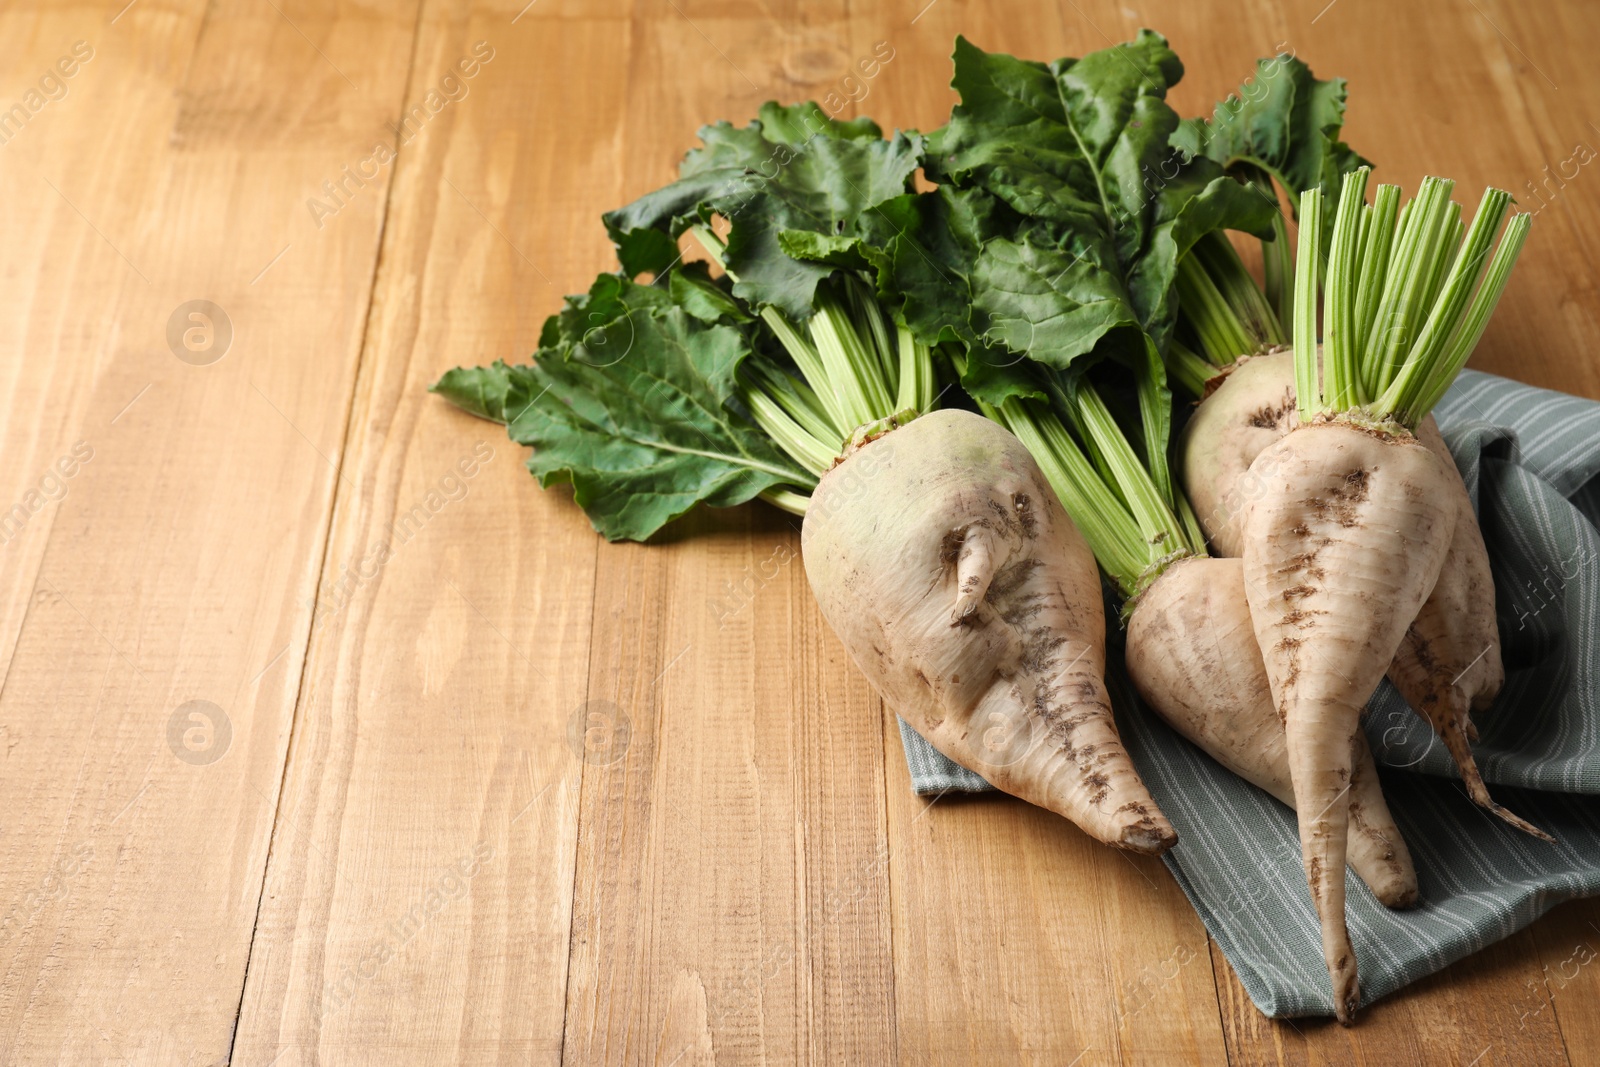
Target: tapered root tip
(1455,742)
(1346,995)
(1396,897)
(1337,951)
(1513,819)
(1148,837)
(966,605)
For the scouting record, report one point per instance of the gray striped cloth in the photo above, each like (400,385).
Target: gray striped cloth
(1530,458)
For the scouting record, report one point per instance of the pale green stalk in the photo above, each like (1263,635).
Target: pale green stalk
(1401,310)
(795,397)
(1374,267)
(848,364)
(1341,384)
(916,373)
(835,402)
(1220,333)
(1111,532)
(1465,272)
(1245,299)
(792,502)
(1191,525)
(1188,370)
(864,306)
(801,446)
(1455,231)
(1308,391)
(1155,409)
(852,374)
(1441,286)
(1147,503)
(1277,269)
(1472,324)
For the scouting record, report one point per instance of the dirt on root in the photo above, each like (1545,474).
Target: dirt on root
(1343,504)
(1273,416)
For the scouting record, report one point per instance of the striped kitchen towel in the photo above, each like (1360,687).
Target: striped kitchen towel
(1530,458)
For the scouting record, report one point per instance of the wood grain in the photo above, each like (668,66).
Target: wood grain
(497,791)
(61,270)
(419,892)
(178,567)
(735,848)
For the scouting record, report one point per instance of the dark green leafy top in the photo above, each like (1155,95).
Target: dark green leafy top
(1062,211)
(793,169)
(1101,205)
(1283,123)
(1074,210)
(628,401)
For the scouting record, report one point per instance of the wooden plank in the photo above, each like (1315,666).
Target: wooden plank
(730,898)
(65,276)
(57,379)
(176,570)
(752,877)
(1019,939)
(737,850)
(444,716)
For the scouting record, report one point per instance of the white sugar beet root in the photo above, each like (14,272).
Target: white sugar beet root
(1449,663)
(948,568)
(1193,657)
(1344,522)
(1340,550)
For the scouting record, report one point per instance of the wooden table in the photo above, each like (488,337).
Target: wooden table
(380,836)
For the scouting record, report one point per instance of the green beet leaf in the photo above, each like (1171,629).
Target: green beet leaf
(1079,150)
(793,169)
(693,289)
(921,248)
(634,412)
(1283,123)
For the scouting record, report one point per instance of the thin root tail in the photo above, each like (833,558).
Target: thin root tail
(1455,740)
